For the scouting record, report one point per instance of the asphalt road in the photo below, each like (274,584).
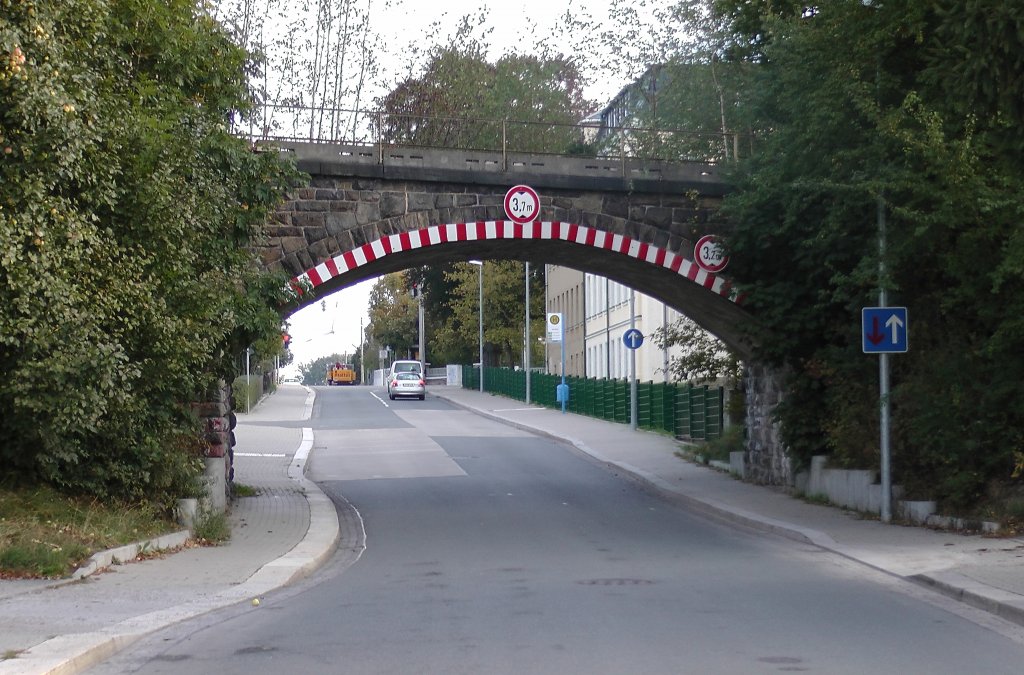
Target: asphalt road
(489,550)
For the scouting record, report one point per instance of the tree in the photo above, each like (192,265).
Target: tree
(705,358)
(461,100)
(504,313)
(317,59)
(126,214)
(394,321)
(854,104)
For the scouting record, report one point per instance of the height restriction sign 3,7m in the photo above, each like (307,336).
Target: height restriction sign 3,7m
(522,204)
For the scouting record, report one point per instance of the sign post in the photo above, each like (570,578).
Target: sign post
(632,338)
(555,334)
(884,331)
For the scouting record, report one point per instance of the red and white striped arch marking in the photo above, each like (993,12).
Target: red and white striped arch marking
(506,229)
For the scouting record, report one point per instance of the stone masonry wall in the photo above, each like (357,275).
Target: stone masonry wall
(766,460)
(334,215)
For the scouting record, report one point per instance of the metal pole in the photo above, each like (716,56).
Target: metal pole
(423,335)
(607,328)
(883,375)
(632,363)
(480,274)
(504,146)
(664,350)
(362,360)
(248,404)
(563,366)
(526,357)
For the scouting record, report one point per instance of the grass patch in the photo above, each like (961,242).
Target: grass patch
(817,498)
(44,534)
(211,528)
(242,490)
(718,449)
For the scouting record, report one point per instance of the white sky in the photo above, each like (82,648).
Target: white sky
(517,26)
(320,332)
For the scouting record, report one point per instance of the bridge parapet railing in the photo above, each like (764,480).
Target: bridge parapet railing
(382,135)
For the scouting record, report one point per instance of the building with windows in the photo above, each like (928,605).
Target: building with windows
(596,313)
(563,293)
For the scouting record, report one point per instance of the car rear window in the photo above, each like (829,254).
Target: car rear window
(407,376)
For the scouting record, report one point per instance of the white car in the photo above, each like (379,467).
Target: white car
(406,383)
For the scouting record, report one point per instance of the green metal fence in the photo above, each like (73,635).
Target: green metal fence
(685,411)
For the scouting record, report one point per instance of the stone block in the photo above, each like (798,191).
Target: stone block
(336,223)
(392,204)
(367,213)
(916,512)
(315,234)
(419,201)
(292,245)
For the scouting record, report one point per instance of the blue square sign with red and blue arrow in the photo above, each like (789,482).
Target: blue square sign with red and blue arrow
(883,330)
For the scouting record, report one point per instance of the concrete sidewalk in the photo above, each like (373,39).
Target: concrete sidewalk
(986,572)
(278,536)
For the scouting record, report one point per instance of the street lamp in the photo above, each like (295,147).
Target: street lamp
(480,275)
(526,340)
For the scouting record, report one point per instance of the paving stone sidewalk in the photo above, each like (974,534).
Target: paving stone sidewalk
(62,626)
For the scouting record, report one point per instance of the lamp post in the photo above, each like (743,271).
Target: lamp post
(884,420)
(632,364)
(480,275)
(362,362)
(526,341)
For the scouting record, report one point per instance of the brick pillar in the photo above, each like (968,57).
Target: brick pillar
(218,419)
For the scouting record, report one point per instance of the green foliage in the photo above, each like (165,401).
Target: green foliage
(246,392)
(126,215)
(504,313)
(460,100)
(46,534)
(704,358)
(859,104)
(731,440)
(393,314)
(211,528)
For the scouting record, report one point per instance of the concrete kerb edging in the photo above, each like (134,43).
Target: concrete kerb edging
(1004,604)
(66,654)
(115,556)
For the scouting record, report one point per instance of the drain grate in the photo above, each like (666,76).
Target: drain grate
(615,582)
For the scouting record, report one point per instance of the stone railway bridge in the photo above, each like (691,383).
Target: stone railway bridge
(370,210)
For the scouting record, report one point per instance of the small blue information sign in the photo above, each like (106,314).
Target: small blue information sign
(884,330)
(633,338)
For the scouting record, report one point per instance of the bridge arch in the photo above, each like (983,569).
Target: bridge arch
(656,271)
(371,211)
(366,214)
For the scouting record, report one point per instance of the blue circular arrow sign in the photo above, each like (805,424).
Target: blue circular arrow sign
(633,338)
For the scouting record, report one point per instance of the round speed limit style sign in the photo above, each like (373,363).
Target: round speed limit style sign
(710,254)
(522,204)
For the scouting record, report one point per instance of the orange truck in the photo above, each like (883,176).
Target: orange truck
(341,373)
